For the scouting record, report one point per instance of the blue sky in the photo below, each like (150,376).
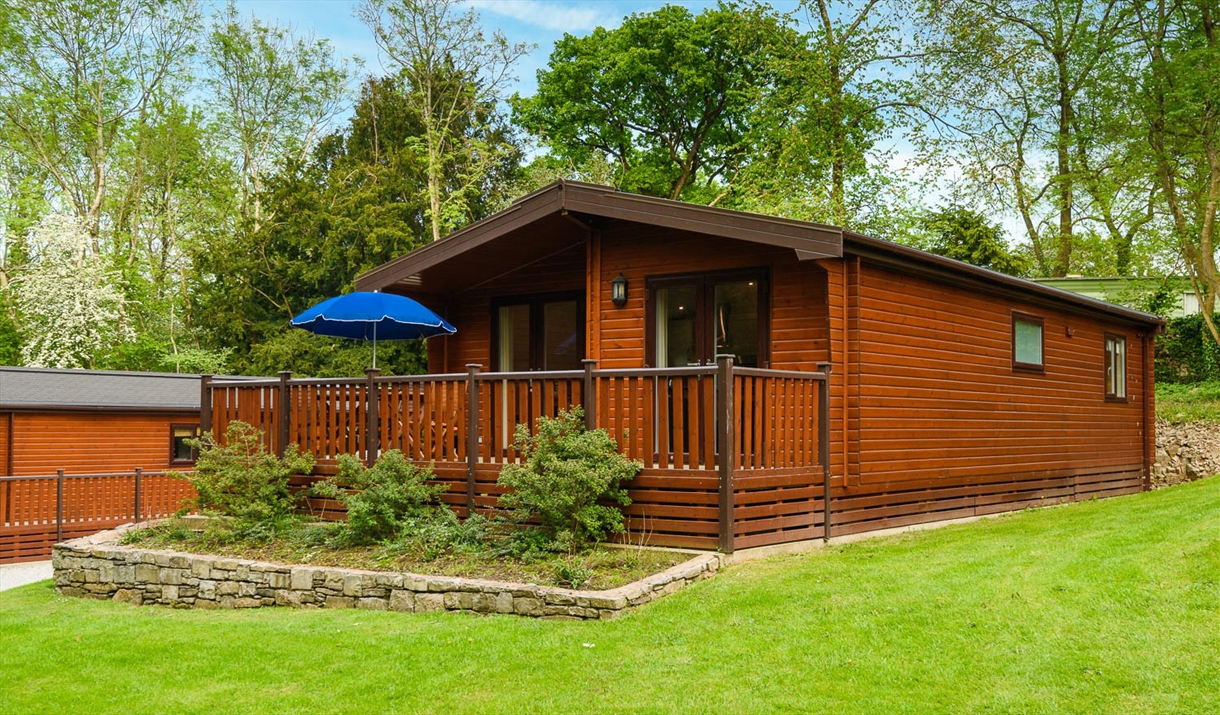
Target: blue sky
(539,22)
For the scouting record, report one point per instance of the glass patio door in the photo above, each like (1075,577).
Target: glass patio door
(539,333)
(696,318)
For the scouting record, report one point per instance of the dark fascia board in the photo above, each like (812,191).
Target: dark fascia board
(809,240)
(913,260)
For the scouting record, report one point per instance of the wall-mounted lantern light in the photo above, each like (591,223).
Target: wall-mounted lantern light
(618,290)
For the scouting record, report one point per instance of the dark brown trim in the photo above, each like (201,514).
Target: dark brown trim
(809,240)
(1040,366)
(1105,374)
(194,427)
(704,282)
(537,305)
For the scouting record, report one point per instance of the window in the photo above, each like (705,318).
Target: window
(1027,343)
(179,451)
(692,319)
(1116,367)
(544,332)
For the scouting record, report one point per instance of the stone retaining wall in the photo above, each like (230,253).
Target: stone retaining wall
(1185,452)
(100,567)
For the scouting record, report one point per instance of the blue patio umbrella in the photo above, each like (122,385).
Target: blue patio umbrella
(372,316)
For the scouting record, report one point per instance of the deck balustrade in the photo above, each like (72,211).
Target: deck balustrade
(769,486)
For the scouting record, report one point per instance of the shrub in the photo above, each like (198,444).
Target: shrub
(380,500)
(241,479)
(1186,353)
(566,475)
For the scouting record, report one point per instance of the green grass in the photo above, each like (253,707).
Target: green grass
(1098,607)
(1188,403)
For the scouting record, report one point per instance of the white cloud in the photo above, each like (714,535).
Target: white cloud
(549,16)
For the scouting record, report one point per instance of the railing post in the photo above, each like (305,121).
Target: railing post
(472,433)
(139,496)
(59,505)
(284,413)
(205,404)
(724,416)
(824,445)
(590,395)
(372,427)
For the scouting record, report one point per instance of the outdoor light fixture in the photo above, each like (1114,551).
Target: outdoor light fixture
(618,290)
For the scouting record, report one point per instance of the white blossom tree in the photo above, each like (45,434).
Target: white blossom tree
(71,304)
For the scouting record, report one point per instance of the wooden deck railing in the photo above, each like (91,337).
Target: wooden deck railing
(38,511)
(675,421)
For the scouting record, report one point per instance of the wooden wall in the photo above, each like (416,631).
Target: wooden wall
(940,426)
(86,442)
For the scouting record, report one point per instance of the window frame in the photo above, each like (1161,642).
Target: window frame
(705,283)
(1029,367)
(537,307)
(1107,356)
(173,458)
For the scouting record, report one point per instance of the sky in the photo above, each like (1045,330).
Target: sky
(536,22)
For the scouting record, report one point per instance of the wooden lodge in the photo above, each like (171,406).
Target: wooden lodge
(87,450)
(765,371)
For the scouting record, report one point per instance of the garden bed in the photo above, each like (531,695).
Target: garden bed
(103,566)
(312,544)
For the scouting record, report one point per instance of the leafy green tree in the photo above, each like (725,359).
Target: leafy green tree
(274,94)
(669,98)
(1011,82)
(357,202)
(74,77)
(962,234)
(454,77)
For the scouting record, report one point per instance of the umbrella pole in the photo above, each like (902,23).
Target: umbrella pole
(374,346)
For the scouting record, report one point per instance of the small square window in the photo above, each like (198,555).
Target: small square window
(1027,343)
(179,451)
(1116,367)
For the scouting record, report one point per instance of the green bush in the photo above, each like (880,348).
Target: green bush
(241,479)
(565,481)
(383,499)
(1186,353)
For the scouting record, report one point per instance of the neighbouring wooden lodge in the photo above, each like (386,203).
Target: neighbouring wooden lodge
(765,371)
(71,442)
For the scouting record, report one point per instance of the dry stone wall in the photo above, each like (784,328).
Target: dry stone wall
(1185,452)
(100,567)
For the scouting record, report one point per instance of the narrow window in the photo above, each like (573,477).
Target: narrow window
(179,451)
(542,332)
(1116,367)
(1027,343)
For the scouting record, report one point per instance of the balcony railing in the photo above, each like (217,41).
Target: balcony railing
(675,421)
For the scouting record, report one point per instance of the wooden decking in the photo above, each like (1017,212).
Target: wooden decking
(768,488)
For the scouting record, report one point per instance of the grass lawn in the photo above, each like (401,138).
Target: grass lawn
(1101,607)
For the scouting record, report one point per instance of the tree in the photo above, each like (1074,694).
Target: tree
(669,98)
(70,302)
(274,94)
(962,234)
(840,90)
(455,76)
(1178,95)
(1014,77)
(75,76)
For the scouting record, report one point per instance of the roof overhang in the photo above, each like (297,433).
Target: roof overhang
(569,204)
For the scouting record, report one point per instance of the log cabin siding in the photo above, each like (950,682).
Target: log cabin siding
(941,424)
(88,442)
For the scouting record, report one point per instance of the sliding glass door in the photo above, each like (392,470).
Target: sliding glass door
(695,318)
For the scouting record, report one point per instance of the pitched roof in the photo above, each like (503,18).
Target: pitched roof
(529,225)
(809,240)
(24,387)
